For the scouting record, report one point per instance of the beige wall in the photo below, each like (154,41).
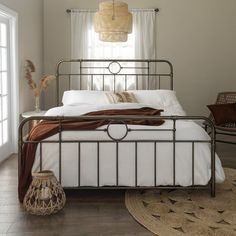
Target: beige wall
(197,36)
(30,27)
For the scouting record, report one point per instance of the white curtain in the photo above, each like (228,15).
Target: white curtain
(81,33)
(85,42)
(144,23)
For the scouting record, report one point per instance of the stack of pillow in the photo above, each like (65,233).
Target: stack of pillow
(159,99)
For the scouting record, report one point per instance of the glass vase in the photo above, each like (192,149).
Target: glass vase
(37,104)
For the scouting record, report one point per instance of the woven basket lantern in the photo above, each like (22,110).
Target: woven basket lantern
(45,195)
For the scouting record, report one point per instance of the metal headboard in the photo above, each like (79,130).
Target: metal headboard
(144,74)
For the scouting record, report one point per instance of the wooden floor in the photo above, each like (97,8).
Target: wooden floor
(86,212)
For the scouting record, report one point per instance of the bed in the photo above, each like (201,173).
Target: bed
(122,153)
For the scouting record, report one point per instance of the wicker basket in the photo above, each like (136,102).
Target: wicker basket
(45,195)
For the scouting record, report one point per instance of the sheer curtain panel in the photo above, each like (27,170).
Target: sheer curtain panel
(85,42)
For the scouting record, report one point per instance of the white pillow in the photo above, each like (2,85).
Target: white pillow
(161,99)
(149,97)
(76,97)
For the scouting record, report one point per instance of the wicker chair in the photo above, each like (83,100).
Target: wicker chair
(228,129)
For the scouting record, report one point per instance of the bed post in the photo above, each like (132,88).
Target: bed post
(20,148)
(57,82)
(213,150)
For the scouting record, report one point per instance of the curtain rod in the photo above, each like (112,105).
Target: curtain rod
(89,10)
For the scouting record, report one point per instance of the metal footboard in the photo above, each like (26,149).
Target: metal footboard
(117,141)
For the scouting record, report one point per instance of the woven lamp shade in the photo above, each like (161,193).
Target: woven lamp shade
(113,22)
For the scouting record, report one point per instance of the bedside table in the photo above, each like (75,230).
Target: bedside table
(28,114)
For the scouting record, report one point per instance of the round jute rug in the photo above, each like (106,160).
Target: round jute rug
(185,213)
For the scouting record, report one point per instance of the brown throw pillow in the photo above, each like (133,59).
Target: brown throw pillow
(223,113)
(121,97)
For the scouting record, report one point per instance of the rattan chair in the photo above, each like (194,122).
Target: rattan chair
(228,129)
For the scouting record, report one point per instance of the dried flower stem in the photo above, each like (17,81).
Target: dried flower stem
(44,83)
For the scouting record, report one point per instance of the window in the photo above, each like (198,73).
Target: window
(107,50)
(4,72)
(85,44)
(8,83)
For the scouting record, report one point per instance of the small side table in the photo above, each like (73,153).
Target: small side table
(32,114)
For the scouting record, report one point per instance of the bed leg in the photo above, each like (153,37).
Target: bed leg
(213,190)
(213,161)
(213,175)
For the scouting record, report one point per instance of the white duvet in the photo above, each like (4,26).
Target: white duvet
(186,130)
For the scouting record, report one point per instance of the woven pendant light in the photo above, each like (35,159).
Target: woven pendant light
(113,21)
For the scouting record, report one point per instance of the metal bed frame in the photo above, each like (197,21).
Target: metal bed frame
(138,69)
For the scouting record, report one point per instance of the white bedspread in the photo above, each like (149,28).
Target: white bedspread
(186,130)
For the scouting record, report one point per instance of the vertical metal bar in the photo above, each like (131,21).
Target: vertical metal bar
(125,82)
(79,164)
(69,82)
(117,164)
(174,144)
(155,82)
(40,156)
(98,165)
(136,164)
(60,130)
(159,82)
(193,147)
(57,83)
(91,86)
(171,76)
(80,75)
(19,157)
(213,150)
(114,84)
(155,164)
(155,73)
(136,85)
(148,80)
(103,82)
(20,149)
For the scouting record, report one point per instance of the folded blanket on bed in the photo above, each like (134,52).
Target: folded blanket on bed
(46,129)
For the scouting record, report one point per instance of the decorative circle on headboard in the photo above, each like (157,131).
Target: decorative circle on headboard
(122,129)
(114,67)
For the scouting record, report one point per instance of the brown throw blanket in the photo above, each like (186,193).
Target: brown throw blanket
(46,129)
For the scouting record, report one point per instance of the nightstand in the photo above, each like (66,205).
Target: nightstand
(28,114)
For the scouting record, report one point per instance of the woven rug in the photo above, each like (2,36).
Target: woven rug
(183,213)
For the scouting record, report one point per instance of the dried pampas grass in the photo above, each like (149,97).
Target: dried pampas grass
(44,82)
(29,68)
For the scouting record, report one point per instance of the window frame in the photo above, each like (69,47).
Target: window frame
(13,68)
